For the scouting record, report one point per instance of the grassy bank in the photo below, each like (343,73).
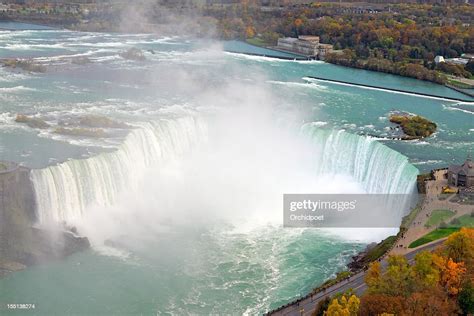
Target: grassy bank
(434,235)
(442,232)
(257,42)
(439,216)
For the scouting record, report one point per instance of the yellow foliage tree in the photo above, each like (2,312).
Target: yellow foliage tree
(249,32)
(373,277)
(344,306)
(460,245)
(426,270)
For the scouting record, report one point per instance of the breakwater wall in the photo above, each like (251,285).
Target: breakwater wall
(467,92)
(390,89)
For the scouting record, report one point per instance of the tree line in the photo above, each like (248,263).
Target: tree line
(437,283)
(400,39)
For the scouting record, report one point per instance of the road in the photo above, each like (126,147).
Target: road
(355,282)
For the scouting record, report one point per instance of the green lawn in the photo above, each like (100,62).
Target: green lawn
(256,41)
(434,235)
(453,226)
(439,216)
(462,221)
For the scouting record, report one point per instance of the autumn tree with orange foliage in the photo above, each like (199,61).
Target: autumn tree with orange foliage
(377,304)
(249,32)
(430,302)
(402,39)
(430,286)
(452,276)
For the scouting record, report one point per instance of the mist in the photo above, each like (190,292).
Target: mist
(155,16)
(251,155)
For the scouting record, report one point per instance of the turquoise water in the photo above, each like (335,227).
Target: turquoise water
(88,284)
(16,26)
(241,47)
(147,259)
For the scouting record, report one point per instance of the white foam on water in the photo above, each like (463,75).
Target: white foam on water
(16,89)
(318,123)
(300,85)
(258,58)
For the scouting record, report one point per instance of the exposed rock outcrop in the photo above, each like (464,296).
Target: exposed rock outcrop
(22,243)
(25,65)
(133,54)
(31,121)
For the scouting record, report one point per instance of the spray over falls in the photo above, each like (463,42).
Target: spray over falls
(64,192)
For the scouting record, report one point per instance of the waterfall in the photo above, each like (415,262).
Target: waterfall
(378,168)
(65,190)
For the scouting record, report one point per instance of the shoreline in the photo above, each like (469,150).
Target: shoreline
(60,26)
(462,91)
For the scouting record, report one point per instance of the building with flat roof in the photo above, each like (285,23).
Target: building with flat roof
(307,45)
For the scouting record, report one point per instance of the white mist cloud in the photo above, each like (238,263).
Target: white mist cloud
(253,155)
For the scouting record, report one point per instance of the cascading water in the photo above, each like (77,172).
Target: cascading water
(378,168)
(65,190)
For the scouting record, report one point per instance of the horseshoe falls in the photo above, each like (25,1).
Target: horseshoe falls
(183,206)
(65,191)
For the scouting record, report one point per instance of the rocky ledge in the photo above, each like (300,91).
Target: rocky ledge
(22,242)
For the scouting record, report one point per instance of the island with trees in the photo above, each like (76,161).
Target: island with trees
(413,126)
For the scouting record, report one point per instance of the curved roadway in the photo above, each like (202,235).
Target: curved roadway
(356,282)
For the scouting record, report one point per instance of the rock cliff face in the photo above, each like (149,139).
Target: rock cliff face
(21,243)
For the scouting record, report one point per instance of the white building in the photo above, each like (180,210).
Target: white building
(439,59)
(305,45)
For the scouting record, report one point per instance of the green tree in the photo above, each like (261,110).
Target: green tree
(425,271)
(470,67)
(397,280)
(466,298)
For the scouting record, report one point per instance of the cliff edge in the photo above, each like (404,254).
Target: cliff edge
(22,242)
